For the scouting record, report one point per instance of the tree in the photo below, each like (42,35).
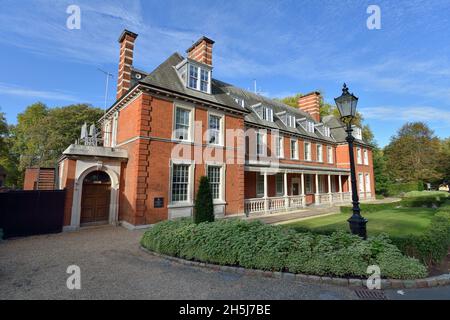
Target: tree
(382,179)
(8,159)
(445,159)
(414,154)
(204,208)
(42,133)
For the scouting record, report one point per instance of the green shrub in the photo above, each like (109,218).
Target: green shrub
(428,201)
(204,207)
(259,246)
(396,189)
(419,194)
(432,246)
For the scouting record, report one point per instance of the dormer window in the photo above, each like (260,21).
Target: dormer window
(357,133)
(265,113)
(239,101)
(290,121)
(308,125)
(199,78)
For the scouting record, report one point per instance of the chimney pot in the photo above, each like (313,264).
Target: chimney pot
(310,103)
(201,51)
(126,40)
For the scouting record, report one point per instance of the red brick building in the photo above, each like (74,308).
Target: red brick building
(177,123)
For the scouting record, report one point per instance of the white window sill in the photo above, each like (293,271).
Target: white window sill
(180,205)
(219,202)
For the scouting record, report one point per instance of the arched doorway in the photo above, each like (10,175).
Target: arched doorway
(95,198)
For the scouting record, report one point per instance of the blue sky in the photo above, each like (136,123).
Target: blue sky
(400,72)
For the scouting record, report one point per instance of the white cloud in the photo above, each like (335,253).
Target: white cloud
(14,90)
(414,113)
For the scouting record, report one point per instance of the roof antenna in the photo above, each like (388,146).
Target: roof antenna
(254,83)
(108,75)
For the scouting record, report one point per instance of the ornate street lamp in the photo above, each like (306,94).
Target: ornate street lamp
(346,104)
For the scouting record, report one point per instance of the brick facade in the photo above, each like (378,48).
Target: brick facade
(144,119)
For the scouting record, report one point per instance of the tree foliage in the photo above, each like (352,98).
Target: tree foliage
(414,154)
(42,133)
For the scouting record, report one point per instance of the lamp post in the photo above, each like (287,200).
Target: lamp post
(346,105)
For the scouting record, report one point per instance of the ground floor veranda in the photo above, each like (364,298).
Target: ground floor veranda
(269,190)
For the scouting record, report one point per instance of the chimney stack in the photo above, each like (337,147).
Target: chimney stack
(201,51)
(126,40)
(310,103)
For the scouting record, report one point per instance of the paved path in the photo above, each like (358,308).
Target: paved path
(113,267)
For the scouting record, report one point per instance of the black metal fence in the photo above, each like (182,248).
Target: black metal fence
(25,213)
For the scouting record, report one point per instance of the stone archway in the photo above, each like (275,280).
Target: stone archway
(95,199)
(77,204)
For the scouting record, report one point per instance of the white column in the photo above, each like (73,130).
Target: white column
(329,189)
(340,188)
(266,201)
(317,189)
(349,182)
(286,198)
(303,190)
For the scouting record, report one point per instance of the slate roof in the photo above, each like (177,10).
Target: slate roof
(166,77)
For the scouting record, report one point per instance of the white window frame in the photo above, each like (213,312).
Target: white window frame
(189,200)
(279,192)
(267,114)
(330,155)
(221,129)
(259,175)
(366,157)
(358,155)
(307,148)
(222,167)
(263,134)
(308,184)
(319,154)
(294,156)
(191,122)
(107,133)
(290,121)
(198,78)
(361,183)
(367,183)
(115,124)
(279,147)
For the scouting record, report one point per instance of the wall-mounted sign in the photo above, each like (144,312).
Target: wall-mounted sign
(158,202)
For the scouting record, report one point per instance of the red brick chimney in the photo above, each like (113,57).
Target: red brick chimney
(311,103)
(126,40)
(201,51)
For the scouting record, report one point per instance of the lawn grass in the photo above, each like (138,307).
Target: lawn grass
(398,222)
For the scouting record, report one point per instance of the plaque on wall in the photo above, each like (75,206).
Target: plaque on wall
(158,202)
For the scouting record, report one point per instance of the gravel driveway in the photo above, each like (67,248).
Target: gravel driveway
(113,267)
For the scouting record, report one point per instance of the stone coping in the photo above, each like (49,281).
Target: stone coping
(429,282)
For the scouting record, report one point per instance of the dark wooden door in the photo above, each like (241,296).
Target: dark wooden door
(95,203)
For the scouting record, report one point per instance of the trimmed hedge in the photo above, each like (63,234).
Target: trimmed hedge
(417,202)
(396,189)
(259,246)
(432,246)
